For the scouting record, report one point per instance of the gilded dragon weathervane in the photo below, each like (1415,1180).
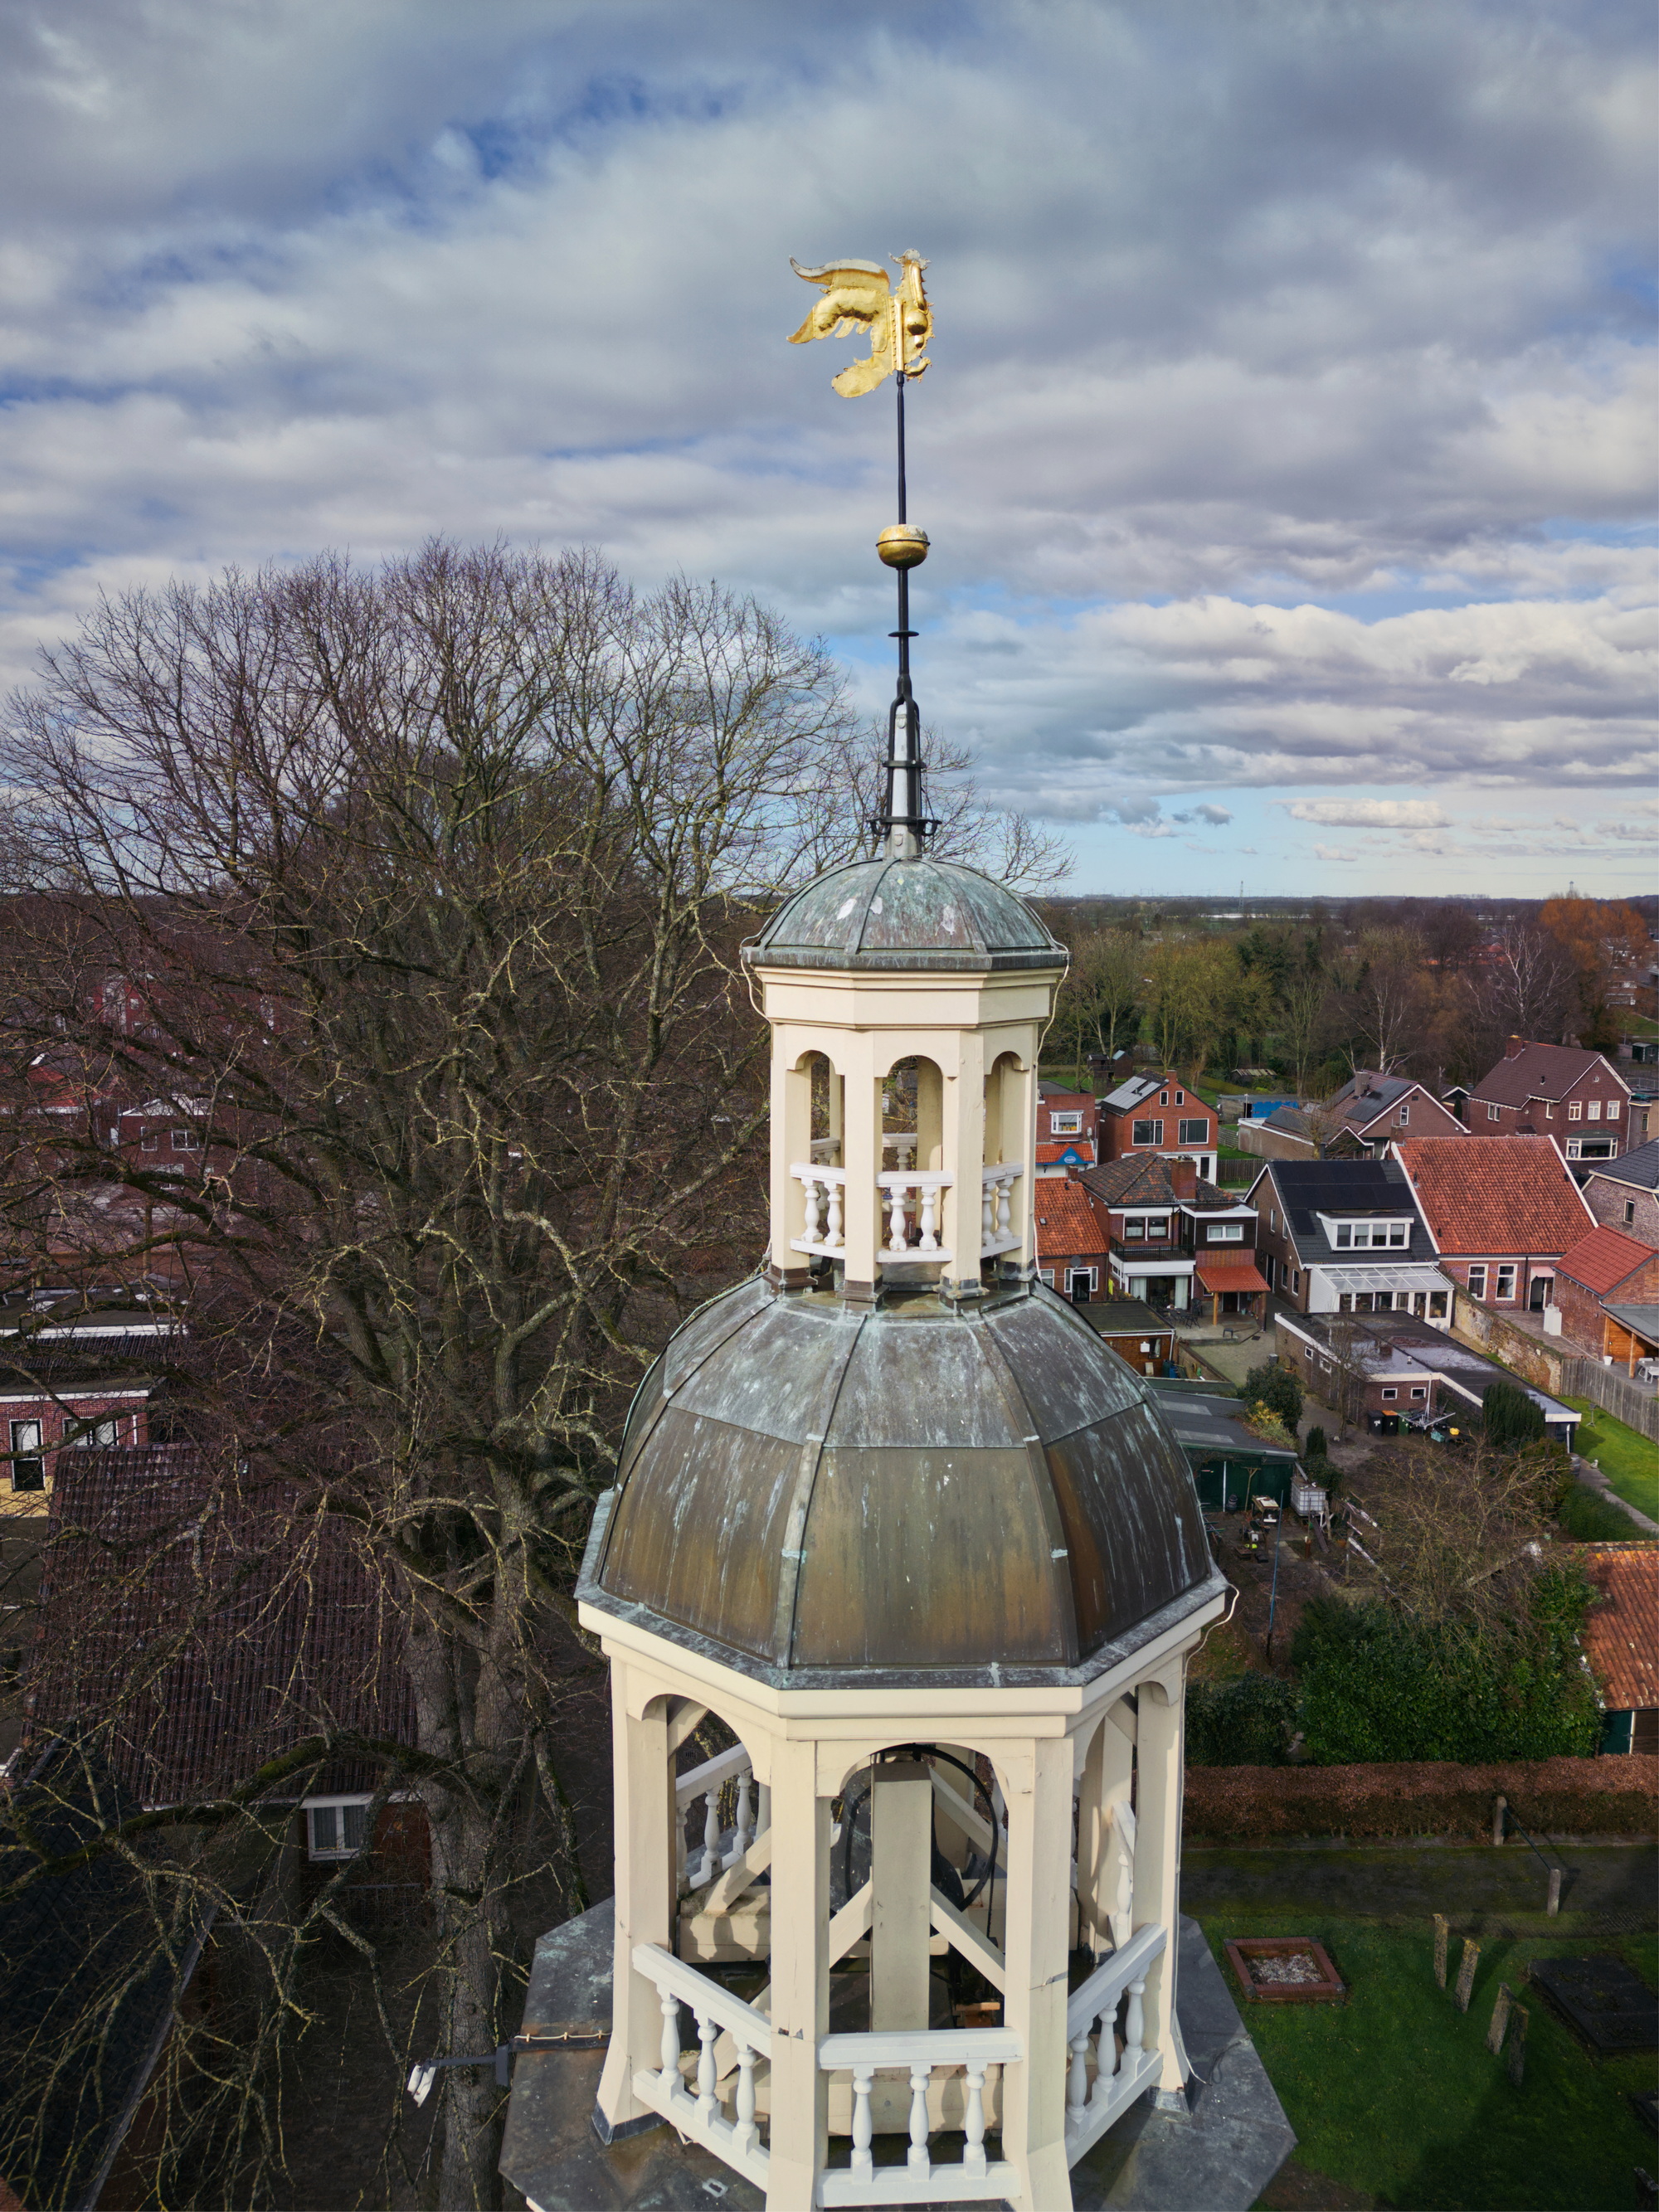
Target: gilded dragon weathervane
(860,296)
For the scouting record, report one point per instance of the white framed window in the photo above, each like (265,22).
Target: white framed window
(1345,1302)
(1226,1232)
(151,1140)
(1181,1099)
(1549,1109)
(1046,1275)
(185,1140)
(29,1469)
(336,1827)
(1613,1109)
(1391,1393)
(1630,1211)
(1157,1231)
(1066,1125)
(1163,1098)
(1575,1111)
(1593,1110)
(1296,1282)
(1194,1133)
(1477,1282)
(101,1433)
(1307,1351)
(1591,1148)
(1134,1233)
(1420,1389)
(1147,1133)
(1493,1113)
(1080,1283)
(1436,1305)
(1272,1222)
(1504,1292)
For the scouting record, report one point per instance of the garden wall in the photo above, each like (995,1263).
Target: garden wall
(1548,1797)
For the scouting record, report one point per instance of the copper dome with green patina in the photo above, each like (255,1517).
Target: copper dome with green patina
(921,915)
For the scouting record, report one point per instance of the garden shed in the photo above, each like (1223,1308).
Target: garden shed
(1230,1463)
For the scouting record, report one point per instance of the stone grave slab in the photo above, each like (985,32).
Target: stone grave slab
(1603,2000)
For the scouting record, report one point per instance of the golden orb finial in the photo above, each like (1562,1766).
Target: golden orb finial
(902,546)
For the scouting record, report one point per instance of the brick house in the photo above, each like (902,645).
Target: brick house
(1175,1238)
(1071,1240)
(284,1637)
(1605,1270)
(1557,1090)
(1624,1193)
(1345,1236)
(1404,1371)
(1370,1110)
(1157,1115)
(77,1384)
(1498,1218)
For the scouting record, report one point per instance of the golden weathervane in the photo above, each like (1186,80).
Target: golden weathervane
(859,295)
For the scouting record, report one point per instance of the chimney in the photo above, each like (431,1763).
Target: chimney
(1183,1178)
(1515,1048)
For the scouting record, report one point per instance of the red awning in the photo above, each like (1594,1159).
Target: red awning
(1231,1274)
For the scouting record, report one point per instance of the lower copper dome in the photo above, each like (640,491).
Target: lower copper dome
(805,1490)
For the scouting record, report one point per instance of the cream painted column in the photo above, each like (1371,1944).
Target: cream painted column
(901,1883)
(1019,1109)
(1108,1780)
(792,1145)
(964,1158)
(800,1979)
(1160,1749)
(643,1799)
(1036,1777)
(861,1151)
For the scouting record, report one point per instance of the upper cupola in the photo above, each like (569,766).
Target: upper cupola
(918,915)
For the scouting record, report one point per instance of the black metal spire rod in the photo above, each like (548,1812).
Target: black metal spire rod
(901,826)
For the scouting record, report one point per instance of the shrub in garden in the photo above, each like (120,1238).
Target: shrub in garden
(1247,1721)
(1276,1387)
(1510,1418)
(1315,1444)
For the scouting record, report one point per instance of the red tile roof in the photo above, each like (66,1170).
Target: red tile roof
(1602,1260)
(1537,1071)
(1052,1151)
(1511,1196)
(1621,1637)
(1066,1222)
(1237,1272)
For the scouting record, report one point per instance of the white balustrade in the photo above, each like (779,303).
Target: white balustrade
(704,2117)
(997,1230)
(825,1191)
(1118,2077)
(911,1200)
(902,1143)
(826,1152)
(707,1781)
(919,2053)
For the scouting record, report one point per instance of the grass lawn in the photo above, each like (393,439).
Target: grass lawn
(1394,2095)
(1629,1461)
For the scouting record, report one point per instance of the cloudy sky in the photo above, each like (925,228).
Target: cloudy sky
(1287,451)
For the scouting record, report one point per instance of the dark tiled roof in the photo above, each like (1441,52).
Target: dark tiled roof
(208,1624)
(1640,1167)
(1352,1189)
(1537,1071)
(1504,1194)
(1144,1179)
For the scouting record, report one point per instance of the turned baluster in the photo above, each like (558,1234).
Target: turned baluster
(897,1233)
(763,1818)
(1006,1207)
(988,1217)
(832,1229)
(1076,2084)
(927,1242)
(810,1184)
(745,1829)
(1134,2023)
(711,1834)
(709,2029)
(670,2038)
(863,2126)
(917,2159)
(1106,2058)
(973,2157)
(744,2134)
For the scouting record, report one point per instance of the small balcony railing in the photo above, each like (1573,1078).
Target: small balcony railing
(910,1204)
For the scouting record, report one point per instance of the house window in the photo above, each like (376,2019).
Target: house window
(1400,1232)
(1436,1305)
(1066,1125)
(29,1469)
(1493,1113)
(1420,1389)
(1591,1148)
(185,1140)
(1593,1111)
(152,1140)
(1046,1275)
(1391,1394)
(1226,1232)
(98,1434)
(1344,1235)
(1505,1291)
(1477,1282)
(1405,1116)
(1194,1133)
(1630,1211)
(1080,1285)
(1272,1222)
(1147,1133)
(338,1830)
(1181,1099)
(1163,1098)
(1345,1302)
(1296,1282)
(1307,1351)
(1157,1231)
(1134,1231)
(1575,1111)
(1613,1109)
(1549,1109)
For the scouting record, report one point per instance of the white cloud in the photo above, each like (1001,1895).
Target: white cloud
(1368,813)
(1334,852)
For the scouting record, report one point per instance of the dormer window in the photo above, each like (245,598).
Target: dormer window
(1066,1125)
(1369,1235)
